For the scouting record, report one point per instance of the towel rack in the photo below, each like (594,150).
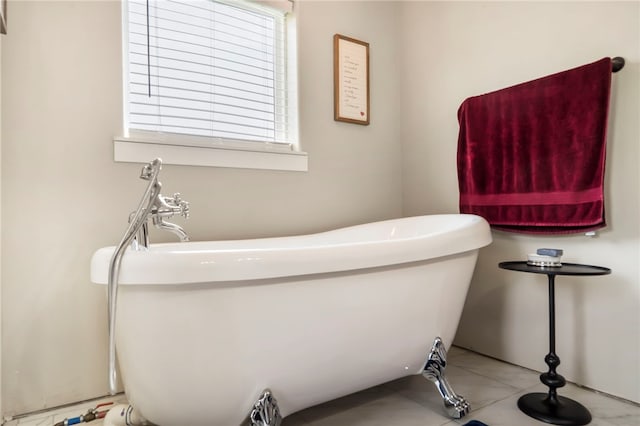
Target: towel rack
(617,64)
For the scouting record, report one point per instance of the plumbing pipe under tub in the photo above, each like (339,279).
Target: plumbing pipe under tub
(124,415)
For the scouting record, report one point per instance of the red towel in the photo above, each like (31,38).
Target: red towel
(531,157)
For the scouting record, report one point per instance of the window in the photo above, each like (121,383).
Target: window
(215,76)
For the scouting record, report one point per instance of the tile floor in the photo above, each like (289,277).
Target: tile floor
(492,387)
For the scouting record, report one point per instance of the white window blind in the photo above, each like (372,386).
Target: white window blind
(207,68)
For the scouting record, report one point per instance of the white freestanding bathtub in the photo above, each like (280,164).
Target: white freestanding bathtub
(204,327)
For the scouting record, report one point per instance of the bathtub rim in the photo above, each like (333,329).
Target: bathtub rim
(188,263)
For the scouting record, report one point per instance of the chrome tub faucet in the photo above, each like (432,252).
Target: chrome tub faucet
(159,209)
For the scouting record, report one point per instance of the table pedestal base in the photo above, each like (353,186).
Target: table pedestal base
(549,407)
(564,411)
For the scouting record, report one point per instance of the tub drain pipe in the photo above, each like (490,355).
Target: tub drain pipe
(150,173)
(124,415)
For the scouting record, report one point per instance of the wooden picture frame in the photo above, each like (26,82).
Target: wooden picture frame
(350,80)
(3,16)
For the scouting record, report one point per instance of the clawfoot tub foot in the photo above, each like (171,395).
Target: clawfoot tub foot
(265,411)
(456,406)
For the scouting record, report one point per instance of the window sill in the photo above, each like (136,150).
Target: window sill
(133,150)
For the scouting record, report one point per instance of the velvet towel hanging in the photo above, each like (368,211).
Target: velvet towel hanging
(531,157)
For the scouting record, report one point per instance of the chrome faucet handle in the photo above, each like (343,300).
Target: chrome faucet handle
(169,206)
(182,205)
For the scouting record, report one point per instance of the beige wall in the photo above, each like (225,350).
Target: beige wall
(458,49)
(64,197)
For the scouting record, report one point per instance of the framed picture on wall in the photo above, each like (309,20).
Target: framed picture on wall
(350,80)
(3,16)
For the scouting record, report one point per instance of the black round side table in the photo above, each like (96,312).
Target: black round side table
(550,407)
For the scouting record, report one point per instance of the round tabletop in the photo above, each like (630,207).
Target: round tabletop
(565,269)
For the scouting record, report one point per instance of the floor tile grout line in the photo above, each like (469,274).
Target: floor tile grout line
(578,385)
(474,353)
(524,391)
(70,406)
(515,390)
(490,377)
